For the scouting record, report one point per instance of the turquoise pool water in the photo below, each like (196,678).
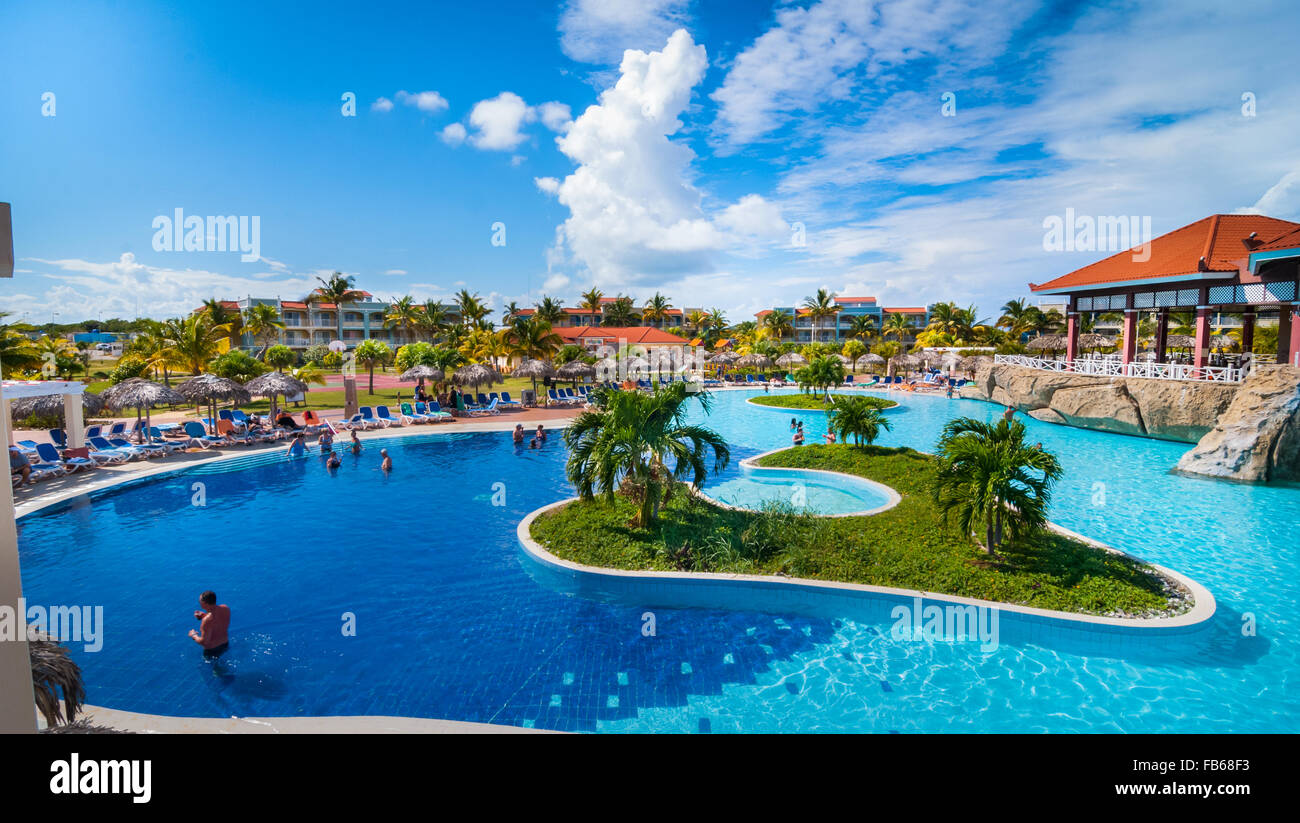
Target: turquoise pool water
(810,492)
(453,621)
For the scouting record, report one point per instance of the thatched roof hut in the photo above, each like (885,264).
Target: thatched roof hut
(141,395)
(870,359)
(753,361)
(477,374)
(1180,341)
(274,383)
(421,373)
(791,359)
(1047,342)
(208,388)
(576,370)
(1096,341)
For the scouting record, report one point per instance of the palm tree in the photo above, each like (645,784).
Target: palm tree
(433,320)
(262,320)
(820,306)
(371,353)
(17,354)
(404,316)
(988,476)
(821,374)
(337,290)
(621,312)
(550,310)
(511,309)
(859,418)
(230,322)
(531,338)
(470,306)
(697,321)
(192,342)
(631,441)
(656,310)
(862,327)
(853,349)
(591,302)
(897,325)
(1018,317)
(779,324)
(54,673)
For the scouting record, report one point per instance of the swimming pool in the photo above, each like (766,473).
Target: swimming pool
(452,621)
(757,488)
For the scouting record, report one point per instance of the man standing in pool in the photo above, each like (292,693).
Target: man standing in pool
(387,463)
(214,623)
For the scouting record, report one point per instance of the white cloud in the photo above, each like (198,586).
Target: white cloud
(383,104)
(550,185)
(453,134)
(555,116)
(498,120)
(754,217)
(556,282)
(598,31)
(396,272)
(1281,200)
(429,102)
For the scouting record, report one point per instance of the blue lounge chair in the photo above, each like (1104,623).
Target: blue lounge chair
(103,452)
(48,454)
(145,449)
(435,412)
(156,439)
(490,408)
(408,413)
(372,422)
(384,416)
(199,436)
(58,438)
(27,447)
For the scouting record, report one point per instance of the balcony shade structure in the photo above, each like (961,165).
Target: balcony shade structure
(1245,265)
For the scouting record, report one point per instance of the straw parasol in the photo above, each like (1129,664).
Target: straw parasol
(478,374)
(970,364)
(139,394)
(1048,342)
(51,405)
(905,361)
(785,361)
(535,369)
(273,383)
(870,359)
(723,358)
(1180,341)
(845,359)
(1095,341)
(576,370)
(753,361)
(421,373)
(1221,341)
(209,389)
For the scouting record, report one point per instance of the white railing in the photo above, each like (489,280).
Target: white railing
(1112,367)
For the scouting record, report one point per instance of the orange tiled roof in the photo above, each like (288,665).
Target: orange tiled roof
(632,334)
(293,304)
(911,310)
(1216,240)
(1286,240)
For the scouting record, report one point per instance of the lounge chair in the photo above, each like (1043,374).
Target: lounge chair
(143,449)
(118,429)
(226,431)
(384,415)
(156,438)
(50,455)
(93,431)
(490,408)
(435,412)
(102,451)
(44,468)
(199,436)
(58,438)
(28,447)
(411,414)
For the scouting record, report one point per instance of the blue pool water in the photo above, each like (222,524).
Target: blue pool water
(453,621)
(759,488)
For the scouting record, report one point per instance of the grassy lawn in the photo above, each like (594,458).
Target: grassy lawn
(813,402)
(905,547)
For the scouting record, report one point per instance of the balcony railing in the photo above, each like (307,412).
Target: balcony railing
(1112,367)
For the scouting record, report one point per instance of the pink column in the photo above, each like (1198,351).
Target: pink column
(1248,331)
(1288,334)
(1071,336)
(1130,335)
(1202,336)
(1162,334)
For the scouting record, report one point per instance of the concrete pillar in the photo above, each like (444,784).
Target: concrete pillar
(17,706)
(1248,331)
(74,422)
(1162,334)
(1130,335)
(1071,336)
(1202,337)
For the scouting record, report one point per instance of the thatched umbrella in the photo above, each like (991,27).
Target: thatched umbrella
(905,361)
(422,373)
(536,369)
(722,358)
(1180,341)
(51,405)
(753,361)
(139,394)
(870,359)
(274,383)
(55,673)
(970,364)
(477,374)
(1221,341)
(209,389)
(785,361)
(576,370)
(1095,341)
(844,359)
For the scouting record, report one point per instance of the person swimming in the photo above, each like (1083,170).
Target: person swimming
(387,463)
(541,433)
(326,441)
(356,443)
(333,461)
(298,447)
(518,435)
(798,436)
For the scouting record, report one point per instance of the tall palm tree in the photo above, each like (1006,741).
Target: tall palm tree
(550,310)
(433,320)
(531,338)
(404,316)
(1018,317)
(634,438)
(371,353)
(656,310)
(193,341)
(898,326)
(229,321)
(621,312)
(819,307)
(262,320)
(988,476)
(779,324)
(17,354)
(511,309)
(470,306)
(862,327)
(697,321)
(337,289)
(858,418)
(591,301)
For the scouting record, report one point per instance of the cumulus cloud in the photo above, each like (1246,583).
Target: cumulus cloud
(498,122)
(550,185)
(1281,200)
(454,134)
(598,31)
(555,116)
(383,104)
(429,102)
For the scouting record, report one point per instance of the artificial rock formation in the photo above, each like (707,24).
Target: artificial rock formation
(1257,439)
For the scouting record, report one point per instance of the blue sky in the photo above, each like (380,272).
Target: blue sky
(680,165)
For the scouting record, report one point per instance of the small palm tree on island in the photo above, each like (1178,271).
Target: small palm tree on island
(989,477)
(858,418)
(820,375)
(628,445)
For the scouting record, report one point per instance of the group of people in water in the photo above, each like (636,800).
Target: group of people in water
(539,436)
(298,447)
(796,439)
